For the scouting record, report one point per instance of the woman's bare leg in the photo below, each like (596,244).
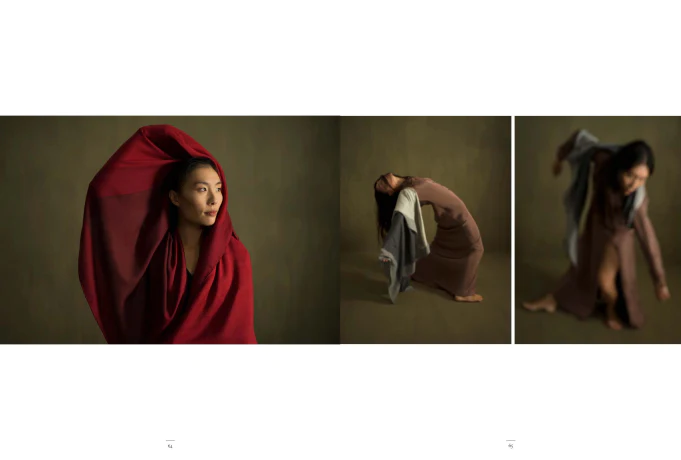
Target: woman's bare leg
(607,275)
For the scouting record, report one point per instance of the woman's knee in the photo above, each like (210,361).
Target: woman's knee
(608,291)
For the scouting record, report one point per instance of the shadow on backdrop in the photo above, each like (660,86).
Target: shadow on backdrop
(282,177)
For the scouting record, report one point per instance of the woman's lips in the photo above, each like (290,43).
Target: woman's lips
(212,213)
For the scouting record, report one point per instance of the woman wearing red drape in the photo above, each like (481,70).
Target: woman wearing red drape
(159,259)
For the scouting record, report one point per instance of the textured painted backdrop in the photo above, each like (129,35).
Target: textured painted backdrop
(469,155)
(540,216)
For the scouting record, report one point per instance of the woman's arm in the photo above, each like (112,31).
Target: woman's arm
(567,147)
(580,142)
(649,244)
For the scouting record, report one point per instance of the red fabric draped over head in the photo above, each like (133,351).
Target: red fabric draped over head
(131,263)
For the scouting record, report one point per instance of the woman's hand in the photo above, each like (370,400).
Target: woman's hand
(662,292)
(557,167)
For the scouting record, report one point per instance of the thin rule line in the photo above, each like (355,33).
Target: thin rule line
(510,440)
(170,440)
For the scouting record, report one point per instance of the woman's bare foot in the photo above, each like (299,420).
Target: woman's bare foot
(614,323)
(546,303)
(611,319)
(468,298)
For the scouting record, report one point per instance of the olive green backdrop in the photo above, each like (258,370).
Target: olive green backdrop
(469,155)
(283,181)
(540,217)
(540,227)
(472,157)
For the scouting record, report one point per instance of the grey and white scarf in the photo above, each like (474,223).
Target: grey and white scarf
(404,244)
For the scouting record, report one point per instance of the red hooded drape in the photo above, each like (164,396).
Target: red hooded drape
(131,262)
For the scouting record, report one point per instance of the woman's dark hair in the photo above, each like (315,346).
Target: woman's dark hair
(385,204)
(633,154)
(178,176)
(184,168)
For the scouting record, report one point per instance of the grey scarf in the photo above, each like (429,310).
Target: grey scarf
(404,244)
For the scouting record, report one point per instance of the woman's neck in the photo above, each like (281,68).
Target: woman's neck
(399,182)
(190,234)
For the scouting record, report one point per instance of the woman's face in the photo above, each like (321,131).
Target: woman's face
(200,197)
(387,184)
(633,178)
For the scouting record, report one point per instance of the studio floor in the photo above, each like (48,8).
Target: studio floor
(423,315)
(663,320)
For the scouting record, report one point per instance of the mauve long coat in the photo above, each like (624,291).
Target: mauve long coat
(577,291)
(457,248)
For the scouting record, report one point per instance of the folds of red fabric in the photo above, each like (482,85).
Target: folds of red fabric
(131,262)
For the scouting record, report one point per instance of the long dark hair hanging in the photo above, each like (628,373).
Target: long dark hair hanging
(385,203)
(633,154)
